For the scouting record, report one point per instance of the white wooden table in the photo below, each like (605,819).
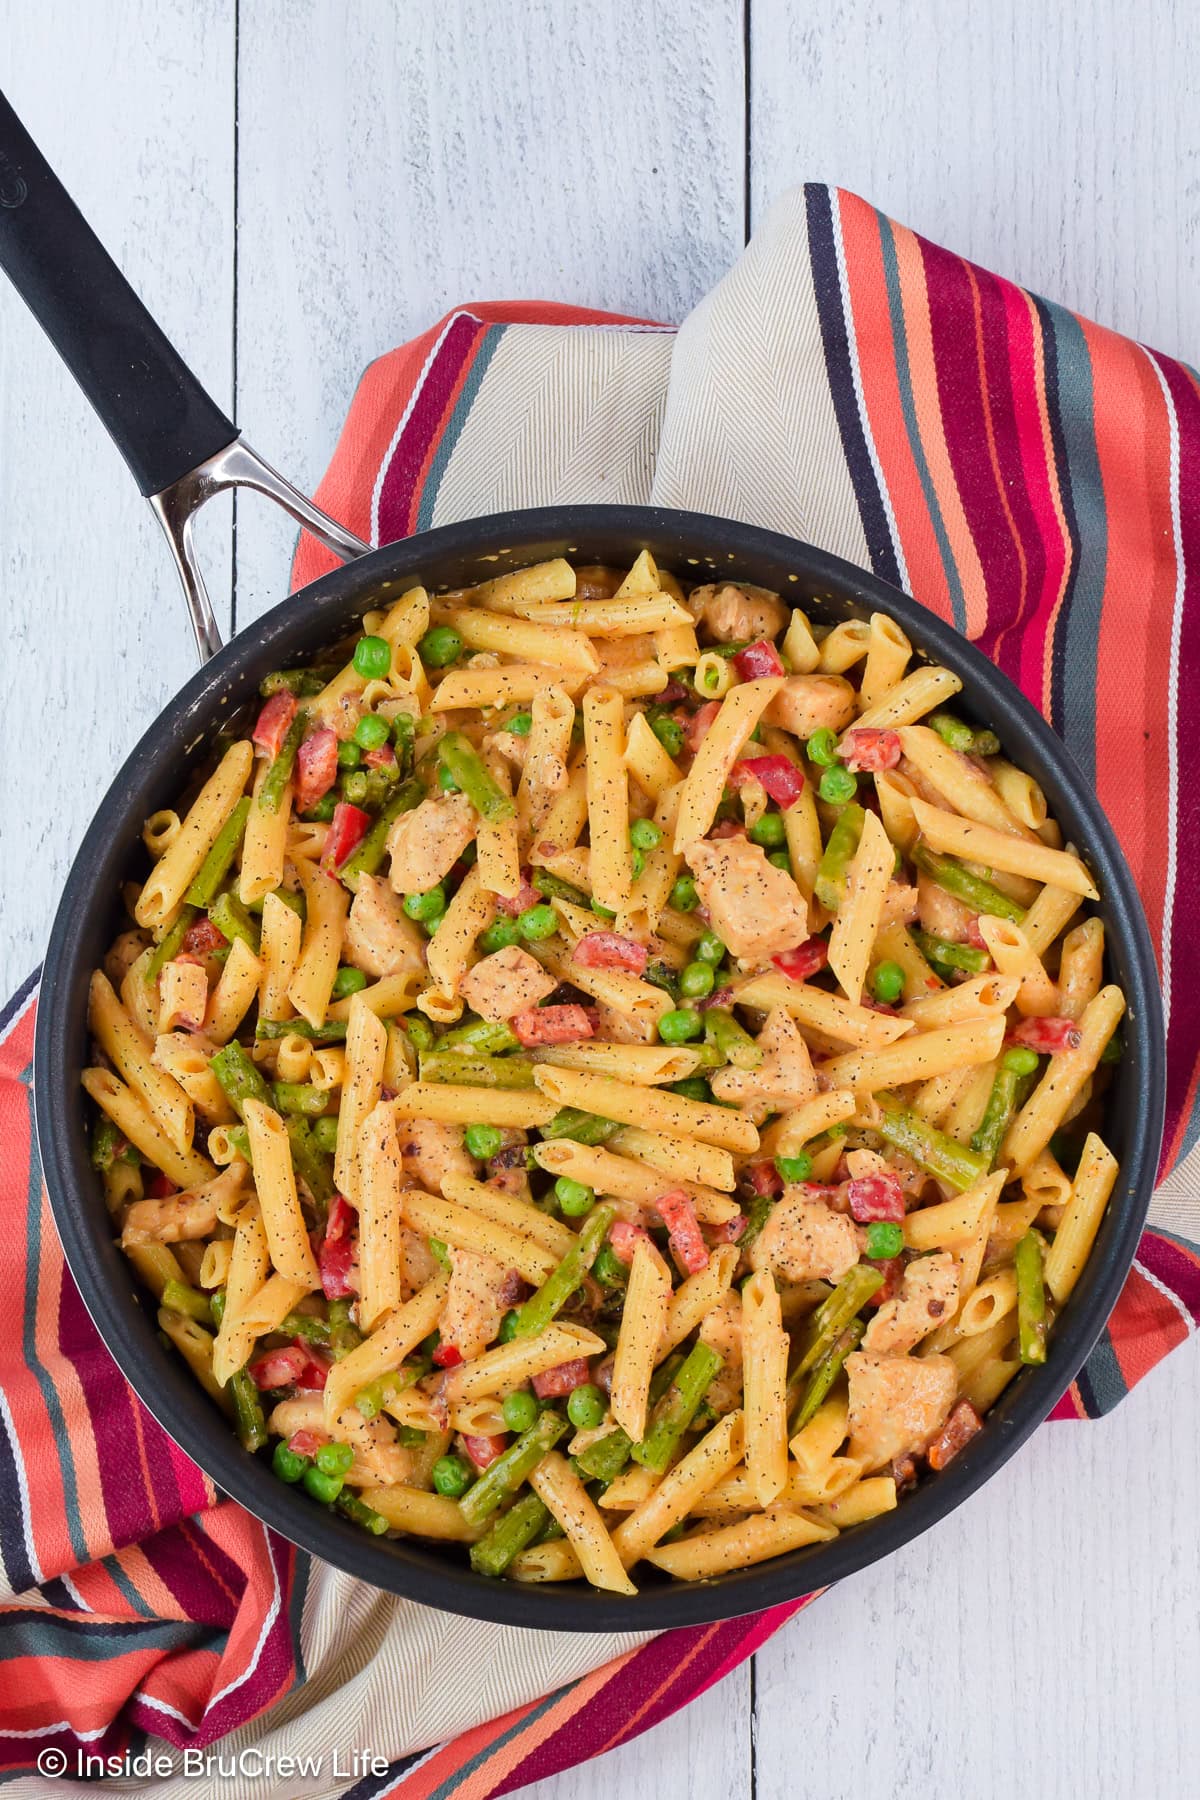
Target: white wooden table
(297,185)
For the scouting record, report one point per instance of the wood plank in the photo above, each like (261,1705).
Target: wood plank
(134,108)
(397,161)
(1045,143)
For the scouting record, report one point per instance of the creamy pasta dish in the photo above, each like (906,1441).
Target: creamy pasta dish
(606,1074)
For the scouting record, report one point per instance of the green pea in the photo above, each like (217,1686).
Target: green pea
(683,896)
(586,1407)
(680,1026)
(348,754)
(1114,1050)
(694,1088)
(322,810)
(451,1476)
(371,732)
(602,912)
(575,1197)
(372,658)
(508,1327)
(537,922)
(520,724)
(446,780)
(822,748)
(321,1486)
(482,1140)
(779,859)
(697,981)
(887,983)
(356,785)
(287,1464)
(1021,1060)
(324,1133)
(837,786)
(637,862)
(769,831)
(429,905)
(884,1239)
(794,1168)
(498,936)
(334,1459)
(440,647)
(644,834)
(348,981)
(520,1410)
(708,948)
(669,733)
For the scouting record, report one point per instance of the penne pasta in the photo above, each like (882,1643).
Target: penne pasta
(765,1351)
(722,744)
(1000,850)
(647,1301)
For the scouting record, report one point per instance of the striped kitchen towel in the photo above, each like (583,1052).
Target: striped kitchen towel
(1027,475)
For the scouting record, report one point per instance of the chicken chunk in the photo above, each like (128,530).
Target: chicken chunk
(380,940)
(426,843)
(481,1291)
(940,913)
(897,1403)
(783,1079)
(721,1330)
(430,1151)
(806,703)
(418,1264)
(729,613)
(805,1240)
(927,1296)
(755,908)
(505,983)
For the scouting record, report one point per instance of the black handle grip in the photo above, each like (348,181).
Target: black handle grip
(161,419)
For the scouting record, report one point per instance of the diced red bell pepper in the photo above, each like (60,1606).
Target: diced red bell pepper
(869,747)
(292,1366)
(624,1237)
(483,1451)
(892,1269)
(347,829)
(757,660)
(781,779)
(1047,1036)
(336,1254)
(608,950)
(875,1197)
(563,1379)
(160,1186)
(695,727)
(382,758)
(203,937)
(525,897)
(316,767)
(728,1231)
(306,1443)
(804,960)
(678,1214)
(552,1025)
(447,1356)
(762,1178)
(274,722)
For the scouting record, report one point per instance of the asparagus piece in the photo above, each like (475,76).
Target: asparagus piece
(239,1079)
(760,1212)
(554,888)
(997,1114)
(333,1031)
(109,1146)
(580,1127)
(170,945)
(509,1534)
(361,1514)
(731,1039)
(489,1037)
(247,1410)
(239,1138)
(824,1375)
(277,776)
(216,865)
(973,890)
(457,754)
(960,736)
(372,1399)
(300,1097)
(604,1460)
(561,1282)
(834,1314)
(511,1468)
(302,682)
(232,920)
(943,1156)
(312,1165)
(678,1406)
(190,1301)
(947,957)
(477,1071)
(1031,1299)
(366,857)
(344,1335)
(830,884)
(309,1326)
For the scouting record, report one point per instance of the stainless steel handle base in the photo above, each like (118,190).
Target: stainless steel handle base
(237,465)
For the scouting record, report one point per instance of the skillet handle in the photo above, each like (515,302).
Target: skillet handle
(160,418)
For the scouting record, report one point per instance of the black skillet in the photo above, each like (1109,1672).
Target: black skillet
(181,448)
